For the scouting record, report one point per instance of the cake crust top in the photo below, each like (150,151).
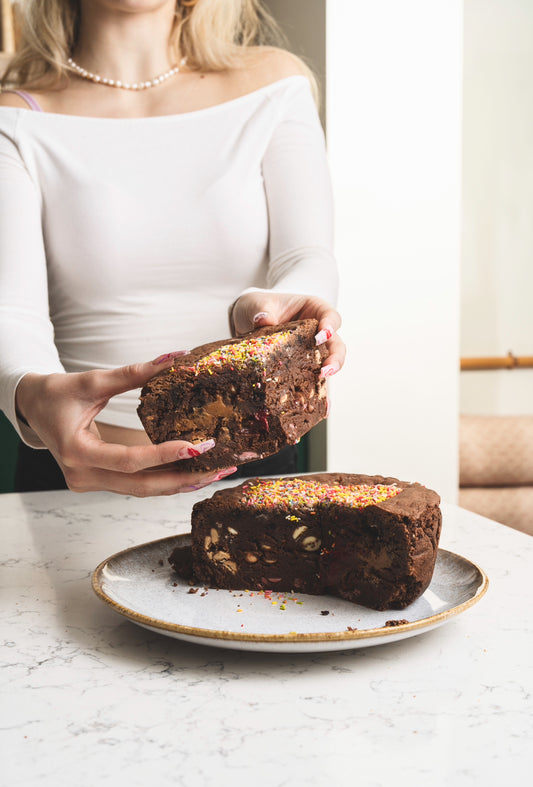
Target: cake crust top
(241,350)
(308,493)
(401,498)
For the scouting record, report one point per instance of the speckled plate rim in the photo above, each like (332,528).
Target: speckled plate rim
(401,630)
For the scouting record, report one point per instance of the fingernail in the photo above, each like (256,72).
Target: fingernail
(324,335)
(328,407)
(190,451)
(259,316)
(329,370)
(223,473)
(203,447)
(168,356)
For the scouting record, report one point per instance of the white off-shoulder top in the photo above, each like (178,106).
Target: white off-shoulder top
(123,239)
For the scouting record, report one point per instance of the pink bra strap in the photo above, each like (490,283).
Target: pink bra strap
(30,101)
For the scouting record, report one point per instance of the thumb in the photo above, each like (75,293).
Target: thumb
(254,310)
(108,383)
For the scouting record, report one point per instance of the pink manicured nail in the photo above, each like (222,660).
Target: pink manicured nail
(329,370)
(189,452)
(168,356)
(324,335)
(259,316)
(205,446)
(223,473)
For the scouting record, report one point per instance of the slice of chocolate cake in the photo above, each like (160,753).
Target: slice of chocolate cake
(253,395)
(368,539)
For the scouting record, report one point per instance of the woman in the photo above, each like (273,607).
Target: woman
(158,167)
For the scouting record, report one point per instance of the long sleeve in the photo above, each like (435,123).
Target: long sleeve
(299,199)
(26,333)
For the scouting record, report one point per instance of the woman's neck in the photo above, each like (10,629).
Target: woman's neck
(130,46)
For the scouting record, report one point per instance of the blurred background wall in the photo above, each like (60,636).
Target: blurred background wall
(394,108)
(497,234)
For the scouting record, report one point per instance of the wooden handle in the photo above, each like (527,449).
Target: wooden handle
(509,361)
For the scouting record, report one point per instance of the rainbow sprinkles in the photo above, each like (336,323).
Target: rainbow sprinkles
(297,492)
(240,354)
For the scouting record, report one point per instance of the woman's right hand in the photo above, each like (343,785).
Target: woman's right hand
(61,409)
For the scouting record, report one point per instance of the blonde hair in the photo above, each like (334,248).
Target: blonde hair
(211,34)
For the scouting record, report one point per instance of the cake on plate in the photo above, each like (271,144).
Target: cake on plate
(371,540)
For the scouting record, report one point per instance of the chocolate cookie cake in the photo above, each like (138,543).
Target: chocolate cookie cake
(253,395)
(368,539)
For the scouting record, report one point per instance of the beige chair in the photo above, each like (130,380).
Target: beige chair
(496,468)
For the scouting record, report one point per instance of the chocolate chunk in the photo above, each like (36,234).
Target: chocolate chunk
(181,562)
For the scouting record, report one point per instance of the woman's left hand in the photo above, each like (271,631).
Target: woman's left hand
(255,309)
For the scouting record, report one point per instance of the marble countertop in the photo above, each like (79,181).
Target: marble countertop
(89,698)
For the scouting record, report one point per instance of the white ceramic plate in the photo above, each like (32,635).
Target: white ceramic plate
(140,584)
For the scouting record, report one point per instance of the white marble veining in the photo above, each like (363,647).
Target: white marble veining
(89,698)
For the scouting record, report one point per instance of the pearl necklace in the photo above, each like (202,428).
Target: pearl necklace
(84,74)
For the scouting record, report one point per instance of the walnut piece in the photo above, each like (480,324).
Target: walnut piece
(221,555)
